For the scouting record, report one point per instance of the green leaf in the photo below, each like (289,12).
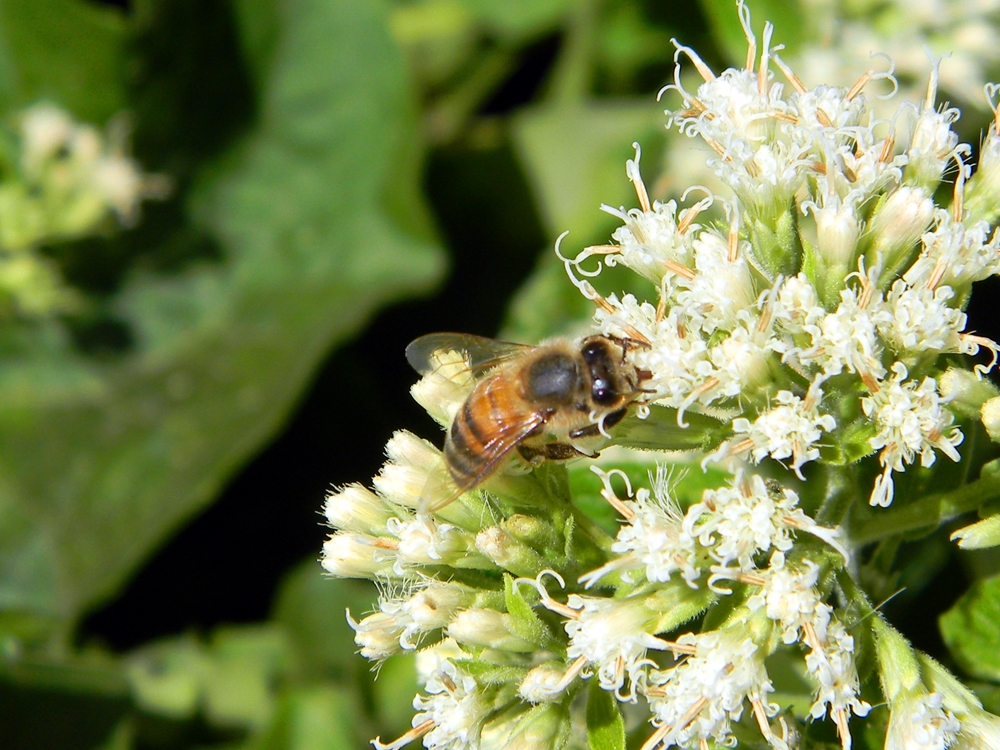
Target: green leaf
(315,717)
(517,18)
(312,609)
(69,52)
(605,726)
(245,664)
(525,623)
(970,630)
(979,535)
(67,704)
(729,35)
(575,157)
(166,676)
(318,213)
(395,686)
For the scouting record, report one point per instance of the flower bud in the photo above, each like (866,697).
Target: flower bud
(979,535)
(377,635)
(932,145)
(542,728)
(964,393)
(837,230)
(982,192)
(355,508)
(895,230)
(509,553)
(433,607)
(543,683)
(990,414)
(489,629)
(348,555)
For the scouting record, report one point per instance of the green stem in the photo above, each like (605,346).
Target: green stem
(929,512)
(571,79)
(448,116)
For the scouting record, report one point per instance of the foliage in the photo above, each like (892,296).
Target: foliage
(172,346)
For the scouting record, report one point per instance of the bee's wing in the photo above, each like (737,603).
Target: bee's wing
(506,437)
(481,354)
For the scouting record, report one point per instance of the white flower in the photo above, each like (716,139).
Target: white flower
(698,699)
(738,522)
(955,255)
(912,420)
(348,555)
(831,665)
(918,319)
(789,430)
(454,708)
(423,541)
(797,306)
(720,288)
(845,340)
(920,723)
(654,538)
(790,598)
(612,635)
(354,508)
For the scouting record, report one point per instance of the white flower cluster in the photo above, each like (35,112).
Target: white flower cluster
(805,321)
(833,263)
(729,524)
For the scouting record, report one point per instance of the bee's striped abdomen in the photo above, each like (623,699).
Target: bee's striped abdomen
(489,425)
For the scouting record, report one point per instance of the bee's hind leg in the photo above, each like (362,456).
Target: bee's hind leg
(549,452)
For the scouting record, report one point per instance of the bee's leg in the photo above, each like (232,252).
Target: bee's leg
(592,430)
(549,452)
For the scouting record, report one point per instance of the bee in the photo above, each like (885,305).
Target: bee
(553,401)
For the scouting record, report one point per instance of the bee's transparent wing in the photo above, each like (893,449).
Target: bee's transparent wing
(481,354)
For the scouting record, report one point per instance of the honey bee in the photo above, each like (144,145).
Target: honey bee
(548,402)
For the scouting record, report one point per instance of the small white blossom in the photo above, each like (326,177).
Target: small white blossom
(831,665)
(454,709)
(348,555)
(736,523)
(912,421)
(845,340)
(612,635)
(720,287)
(698,699)
(920,723)
(789,430)
(354,508)
(654,538)
(797,306)
(916,320)
(955,255)
(790,598)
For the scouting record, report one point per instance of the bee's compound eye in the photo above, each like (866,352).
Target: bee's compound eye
(594,351)
(552,378)
(602,392)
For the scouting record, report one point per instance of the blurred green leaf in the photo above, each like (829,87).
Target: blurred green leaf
(729,34)
(68,51)
(312,718)
(574,156)
(395,686)
(605,726)
(245,665)
(231,681)
(518,17)
(970,630)
(320,219)
(312,608)
(70,705)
